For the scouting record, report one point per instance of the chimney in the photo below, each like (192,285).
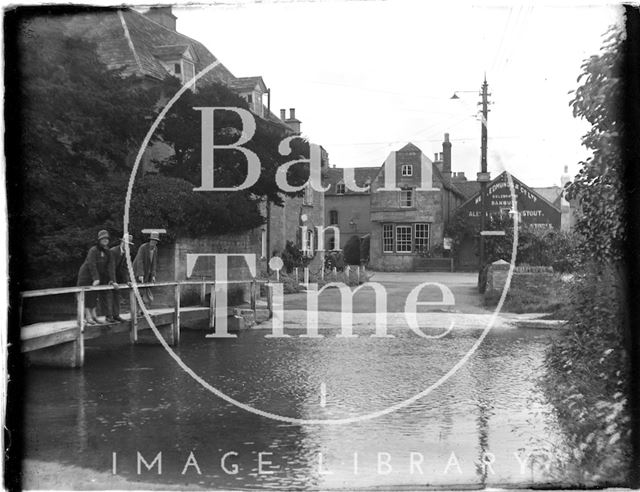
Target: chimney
(446,157)
(293,122)
(437,161)
(283,114)
(162,15)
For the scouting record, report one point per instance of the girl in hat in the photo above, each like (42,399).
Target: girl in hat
(95,270)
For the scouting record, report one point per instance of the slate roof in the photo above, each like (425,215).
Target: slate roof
(552,194)
(361,174)
(248,83)
(516,180)
(409,148)
(170,52)
(467,188)
(131,41)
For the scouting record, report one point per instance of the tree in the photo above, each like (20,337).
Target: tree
(598,184)
(78,122)
(182,129)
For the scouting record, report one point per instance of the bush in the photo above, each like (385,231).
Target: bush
(292,257)
(587,380)
(365,245)
(352,251)
(334,259)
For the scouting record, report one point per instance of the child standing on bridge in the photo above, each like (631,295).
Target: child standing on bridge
(145,264)
(96,270)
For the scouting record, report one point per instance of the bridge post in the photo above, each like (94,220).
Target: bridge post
(270,299)
(79,344)
(212,307)
(176,314)
(252,301)
(133,303)
(203,292)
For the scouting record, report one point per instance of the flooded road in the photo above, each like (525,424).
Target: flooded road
(130,401)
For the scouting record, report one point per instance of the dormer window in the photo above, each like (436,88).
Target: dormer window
(178,60)
(251,90)
(340,188)
(407,170)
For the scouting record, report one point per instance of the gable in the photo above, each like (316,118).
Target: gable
(534,209)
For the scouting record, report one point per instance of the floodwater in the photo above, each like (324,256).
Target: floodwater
(130,401)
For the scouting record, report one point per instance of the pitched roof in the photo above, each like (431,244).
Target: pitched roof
(409,148)
(515,180)
(553,194)
(129,40)
(467,188)
(170,52)
(248,83)
(361,174)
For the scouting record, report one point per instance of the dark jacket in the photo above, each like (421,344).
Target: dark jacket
(119,270)
(144,265)
(96,266)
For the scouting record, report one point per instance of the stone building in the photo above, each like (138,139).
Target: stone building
(148,44)
(406,225)
(403,205)
(533,208)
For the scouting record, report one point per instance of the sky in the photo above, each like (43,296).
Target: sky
(366,77)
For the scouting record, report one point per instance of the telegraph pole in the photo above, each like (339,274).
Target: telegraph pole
(483,175)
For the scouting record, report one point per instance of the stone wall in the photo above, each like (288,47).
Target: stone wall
(351,208)
(532,279)
(286,222)
(172,258)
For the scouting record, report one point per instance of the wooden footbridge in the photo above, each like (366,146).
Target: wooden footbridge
(61,343)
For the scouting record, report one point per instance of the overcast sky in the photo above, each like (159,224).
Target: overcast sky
(366,77)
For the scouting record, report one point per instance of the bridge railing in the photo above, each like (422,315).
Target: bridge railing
(80,292)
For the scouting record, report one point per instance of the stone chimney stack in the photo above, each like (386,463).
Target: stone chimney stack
(283,114)
(293,122)
(162,15)
(446,157)
(437,161)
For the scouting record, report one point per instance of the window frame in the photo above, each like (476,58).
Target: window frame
(341,186)
(405,242)
(408,168)
(333,214)
(425,238)
(410,196)
(389,228)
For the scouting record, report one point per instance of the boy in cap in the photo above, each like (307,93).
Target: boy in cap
(146,261)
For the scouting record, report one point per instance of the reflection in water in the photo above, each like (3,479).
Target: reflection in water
(129,400)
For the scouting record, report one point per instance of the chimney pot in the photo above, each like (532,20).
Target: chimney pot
(283,114)
(163,15)
(292,113)
(446,157)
